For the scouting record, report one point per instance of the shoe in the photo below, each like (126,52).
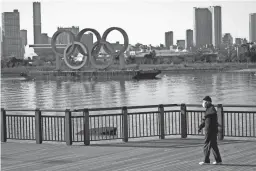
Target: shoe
(203,163)
(217,163)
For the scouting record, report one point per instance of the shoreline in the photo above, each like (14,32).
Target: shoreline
(220,67)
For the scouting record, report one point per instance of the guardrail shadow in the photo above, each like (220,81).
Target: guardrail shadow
(168,143)
(239,165)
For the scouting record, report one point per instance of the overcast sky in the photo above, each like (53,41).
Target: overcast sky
(145,21)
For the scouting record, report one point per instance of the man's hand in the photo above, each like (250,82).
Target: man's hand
(199,130)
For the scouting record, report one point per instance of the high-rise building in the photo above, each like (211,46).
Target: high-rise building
(87,39)
(23,36)
(227,39)
(168,39)
(1,43)
(64,37)
(189,39)
(202,27)
(216,25)
(11,34)
(238,41)
(181,44)
(37,22)
(45,38)
(252,27)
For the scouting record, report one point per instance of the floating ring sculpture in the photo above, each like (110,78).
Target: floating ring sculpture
(84,48)
(80,35)
(126,39)
(95,52)
(76,43)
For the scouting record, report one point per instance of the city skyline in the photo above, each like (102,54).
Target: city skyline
(133,20)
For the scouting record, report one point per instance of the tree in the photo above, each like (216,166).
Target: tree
(250,51)
(137,45)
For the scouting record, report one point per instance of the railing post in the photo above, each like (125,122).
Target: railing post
(38,125)
(220,114)
(183,124)
(68,127)
(3,126)
(86,127)
(125,124)
(161,121)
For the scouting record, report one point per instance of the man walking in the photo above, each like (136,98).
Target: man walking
(210,123)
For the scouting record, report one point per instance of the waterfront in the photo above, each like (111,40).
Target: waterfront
(225,88)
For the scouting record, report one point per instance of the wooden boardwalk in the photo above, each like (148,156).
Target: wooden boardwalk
(170,154)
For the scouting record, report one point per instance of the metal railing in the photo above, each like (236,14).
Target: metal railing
(85,125)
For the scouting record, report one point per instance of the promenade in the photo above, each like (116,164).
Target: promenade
(169,154)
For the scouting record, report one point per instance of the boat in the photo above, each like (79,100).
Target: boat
(148,74)
(92,75)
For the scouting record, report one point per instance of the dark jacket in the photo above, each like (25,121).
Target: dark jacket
(210,121)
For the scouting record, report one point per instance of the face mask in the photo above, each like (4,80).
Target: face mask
(204,104)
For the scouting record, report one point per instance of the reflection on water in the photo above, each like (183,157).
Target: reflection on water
(226,88)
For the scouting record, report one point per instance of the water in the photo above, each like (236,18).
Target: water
(190,88)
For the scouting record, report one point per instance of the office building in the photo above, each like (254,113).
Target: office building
(1,43)
(87,39)
(168,39)
(238,41)
(64,37)
(189,39)
(252,27)
(202,34)
(181,44)
(216,25)
(11,34)
(23,36)
(37,22)
(227,39)
(45,38)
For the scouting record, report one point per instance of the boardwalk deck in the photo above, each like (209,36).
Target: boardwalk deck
(150,155)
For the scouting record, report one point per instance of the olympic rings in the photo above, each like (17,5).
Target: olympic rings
(75,43)
(95,52)
(80,34)
(126,39)
(84,48)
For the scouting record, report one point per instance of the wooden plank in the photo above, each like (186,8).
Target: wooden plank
(168,154)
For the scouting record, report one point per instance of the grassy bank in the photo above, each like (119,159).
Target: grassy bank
(166,67)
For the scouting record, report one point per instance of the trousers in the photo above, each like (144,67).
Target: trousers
(211,143)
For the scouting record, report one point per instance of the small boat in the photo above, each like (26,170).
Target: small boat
(146,74)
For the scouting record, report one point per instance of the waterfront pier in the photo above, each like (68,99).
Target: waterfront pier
(154,137)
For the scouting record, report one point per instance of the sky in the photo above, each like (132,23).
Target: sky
(145,21)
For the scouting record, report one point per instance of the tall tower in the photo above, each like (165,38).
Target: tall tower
(202,27)
(37,22)
(168,39)
(189,39)
(216,25)
(252,27)
(11,34)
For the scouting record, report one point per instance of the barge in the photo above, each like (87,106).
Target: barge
(91,75)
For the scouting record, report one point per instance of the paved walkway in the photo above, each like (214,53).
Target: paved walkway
(150,155)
